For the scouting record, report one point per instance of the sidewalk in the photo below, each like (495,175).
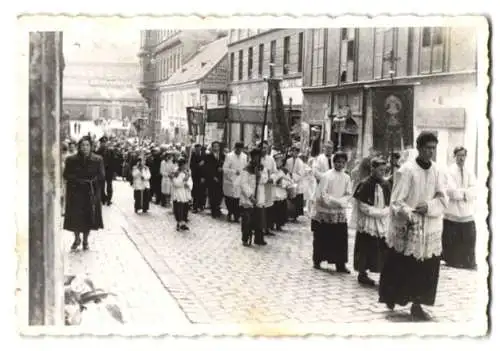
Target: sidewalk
(114,264)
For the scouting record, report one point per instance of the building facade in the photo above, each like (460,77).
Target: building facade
(255,54)
(162,54)
(96,95)
(201,82)
(388,84)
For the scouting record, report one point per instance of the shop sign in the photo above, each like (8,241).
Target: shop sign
(445,118)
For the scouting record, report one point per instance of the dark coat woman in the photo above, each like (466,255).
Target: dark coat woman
(84,173)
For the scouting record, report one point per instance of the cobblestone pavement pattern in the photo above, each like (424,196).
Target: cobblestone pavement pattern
(114,264)
(214,279)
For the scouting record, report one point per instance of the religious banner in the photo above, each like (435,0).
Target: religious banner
(280,128)
(392,118)
(195,118)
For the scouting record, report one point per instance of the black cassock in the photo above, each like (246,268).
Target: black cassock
(198,193)
(213,176)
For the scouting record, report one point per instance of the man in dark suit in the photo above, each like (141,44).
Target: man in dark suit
(154,163)
(108,158)
(213,175)
(197,165)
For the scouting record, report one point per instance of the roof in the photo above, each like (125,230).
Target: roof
(201,64)
(82,92)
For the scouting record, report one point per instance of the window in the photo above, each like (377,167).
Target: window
(221,99)
(286,56)
(389,59)
(261,58)
(272,58)
(250,63)
(426,37)
(301,52)
(432,52)
(240,65)
(318,56)
(350,50)
(345,34)
(348,55)
(231,67)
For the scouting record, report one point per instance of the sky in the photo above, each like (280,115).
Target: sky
(94,43)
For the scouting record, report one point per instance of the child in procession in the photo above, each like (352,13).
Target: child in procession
(140,182)
(283,182)
(253,210)
(182,184)
(167,170)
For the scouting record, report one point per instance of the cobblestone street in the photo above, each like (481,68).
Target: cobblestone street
(214,279)
(114,264)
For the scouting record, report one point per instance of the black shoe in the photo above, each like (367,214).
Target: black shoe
(260,243)
(136,210)
(184,227)
(229,219)
(363,279)
(317,265)
(247,244)
(178,227)
(109,203)
(390,305)
(85,246)
(75,245)
(418,314)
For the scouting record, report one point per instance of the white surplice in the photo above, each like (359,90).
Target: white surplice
(410,233)
(233,164)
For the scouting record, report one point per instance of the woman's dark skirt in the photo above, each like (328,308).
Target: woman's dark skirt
(459,244)
(405,279)
(369,253)
(329,242)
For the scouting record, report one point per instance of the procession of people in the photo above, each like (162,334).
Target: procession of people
(408,213)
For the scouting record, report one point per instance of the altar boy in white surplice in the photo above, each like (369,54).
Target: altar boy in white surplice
(411,269)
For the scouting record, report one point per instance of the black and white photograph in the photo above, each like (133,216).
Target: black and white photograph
(232,177)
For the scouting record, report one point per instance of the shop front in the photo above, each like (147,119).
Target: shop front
(334,116)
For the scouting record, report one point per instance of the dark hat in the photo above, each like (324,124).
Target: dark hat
(103,139)
(181,161)
(238,145)
(197,145)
